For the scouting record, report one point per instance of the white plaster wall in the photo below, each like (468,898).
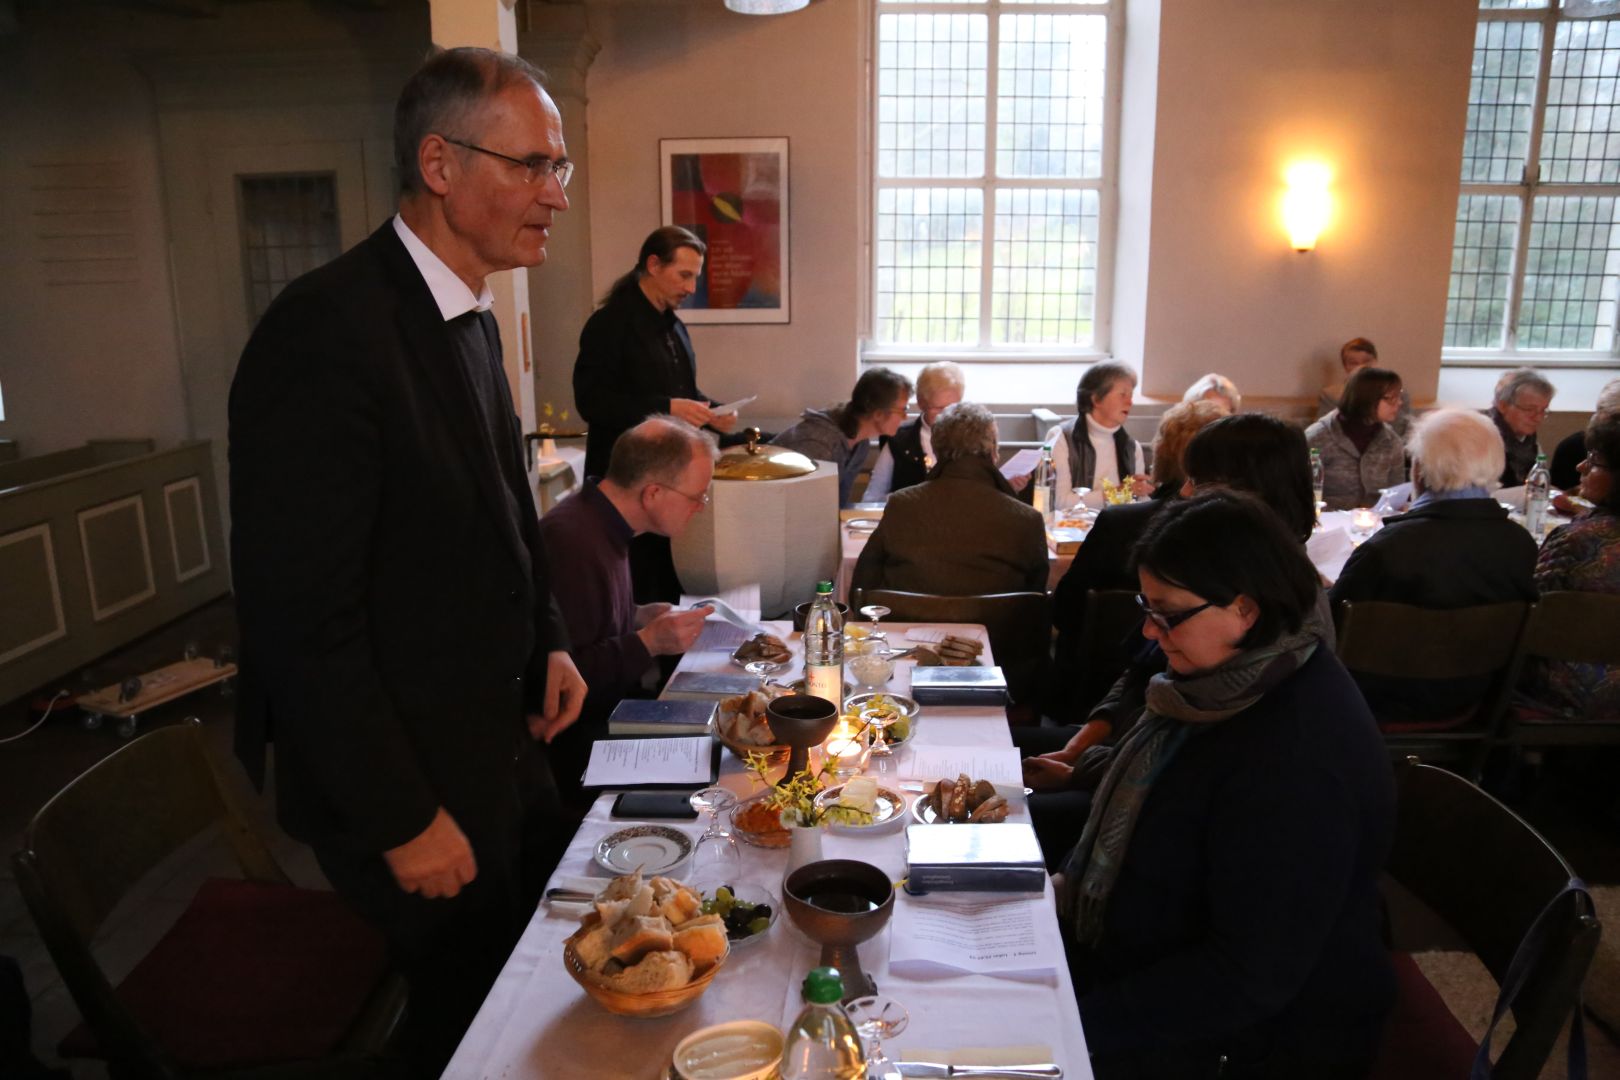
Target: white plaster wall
(697,70)
(1378,88)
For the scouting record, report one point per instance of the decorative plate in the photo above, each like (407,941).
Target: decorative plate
(923,811)
(653,849)
(888,812)
(898,734)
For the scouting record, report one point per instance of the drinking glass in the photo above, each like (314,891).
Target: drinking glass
(874,612)
(876,1018)
(879,719)
(716,855)
(763,670)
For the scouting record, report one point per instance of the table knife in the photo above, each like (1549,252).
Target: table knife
(1046,1071)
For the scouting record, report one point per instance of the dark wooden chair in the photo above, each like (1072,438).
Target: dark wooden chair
(1490,876)
(1385,640)
(1113,622)
(1019,625)
(1576,628)
(257,977)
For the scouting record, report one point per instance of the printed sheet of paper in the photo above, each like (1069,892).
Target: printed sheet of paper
(634,762)
(718,635)
(739,606)
(1021,464)
(999,766)
(730,408)
(944,935)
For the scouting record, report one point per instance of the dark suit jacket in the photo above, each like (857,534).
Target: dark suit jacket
(395,619)
(1103,562)
(1450,554)
(961,532)
(625,373)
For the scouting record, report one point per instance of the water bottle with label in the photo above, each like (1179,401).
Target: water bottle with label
(1043,496)
(824,648)
(822,1043)
(1318,479)
(1537,494)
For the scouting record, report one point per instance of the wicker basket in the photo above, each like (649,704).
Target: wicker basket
(657,1003)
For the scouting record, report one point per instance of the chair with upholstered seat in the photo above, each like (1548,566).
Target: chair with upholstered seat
(257,977)
(1389,641)
(1019,625)
(1492,878)
(1574,628)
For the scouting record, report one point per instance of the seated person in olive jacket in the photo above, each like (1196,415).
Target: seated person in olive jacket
(1454,548)
(961,532)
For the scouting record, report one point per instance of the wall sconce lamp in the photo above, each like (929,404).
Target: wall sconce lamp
(1306,205)
(765,7)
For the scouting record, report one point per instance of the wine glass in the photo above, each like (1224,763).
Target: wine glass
(877,1017)
(872,670)
(878,718)
(716,855)
(874,612)
(763,670)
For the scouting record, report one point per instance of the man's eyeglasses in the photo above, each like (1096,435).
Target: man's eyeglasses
(1535,412)
(1169,620)
(700,500)
(535,169)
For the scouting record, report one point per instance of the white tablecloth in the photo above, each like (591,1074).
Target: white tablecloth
(537,1023)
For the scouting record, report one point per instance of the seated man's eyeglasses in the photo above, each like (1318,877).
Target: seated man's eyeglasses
(1535,412)
(535,168)
(701,499)
(1169,620)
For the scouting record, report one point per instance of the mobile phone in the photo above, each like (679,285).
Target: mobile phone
(654,804)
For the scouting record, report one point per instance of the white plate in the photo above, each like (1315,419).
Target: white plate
(862,524)
(887,813)
(655,849)
(923,811)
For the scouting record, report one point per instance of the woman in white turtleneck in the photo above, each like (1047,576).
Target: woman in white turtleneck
(1094,446)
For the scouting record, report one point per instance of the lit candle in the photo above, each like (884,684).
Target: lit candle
(1364,519)
(843,748)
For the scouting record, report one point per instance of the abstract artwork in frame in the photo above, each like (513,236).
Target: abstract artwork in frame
(733,193)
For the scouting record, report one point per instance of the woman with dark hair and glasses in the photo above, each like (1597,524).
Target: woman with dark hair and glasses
(1361,454)
(1584,556)
(1221,901)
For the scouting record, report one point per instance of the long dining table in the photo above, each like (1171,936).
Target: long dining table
(537,1022)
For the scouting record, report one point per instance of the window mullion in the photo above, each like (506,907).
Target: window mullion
(1532,176)
(992,85)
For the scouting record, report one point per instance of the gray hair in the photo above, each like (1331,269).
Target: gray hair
(965,430)
(1608,399)
(1456,449)
(1219,385)
(657,451)
(940,375)
(444,97)
(1511,382)
(1098,380)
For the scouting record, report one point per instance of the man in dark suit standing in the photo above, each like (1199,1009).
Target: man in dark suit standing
(399,640)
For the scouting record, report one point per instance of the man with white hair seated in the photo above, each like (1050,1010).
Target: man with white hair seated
(1521,401)
(1216,388)
(961,532)
(1453,548)
(908,455)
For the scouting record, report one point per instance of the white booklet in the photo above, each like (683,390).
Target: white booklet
(731,407)
(999,766)
(940,934)
(637,762)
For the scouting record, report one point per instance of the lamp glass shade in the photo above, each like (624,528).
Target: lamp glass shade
(1306,204)
(765,7)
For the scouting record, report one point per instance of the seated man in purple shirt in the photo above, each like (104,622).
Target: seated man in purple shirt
(657,477)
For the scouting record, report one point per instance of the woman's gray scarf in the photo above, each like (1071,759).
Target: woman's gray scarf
(1177,707)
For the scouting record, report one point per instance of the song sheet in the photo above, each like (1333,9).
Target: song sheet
(999,766)
(947,934)
(635,762)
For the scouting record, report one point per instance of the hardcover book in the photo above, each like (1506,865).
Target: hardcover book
(959,685)
(708,685)
(1004,857)
(639,716)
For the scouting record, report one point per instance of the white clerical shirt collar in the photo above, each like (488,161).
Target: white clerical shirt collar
(449,291)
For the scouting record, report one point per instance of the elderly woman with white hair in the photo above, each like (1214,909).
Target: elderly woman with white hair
(1454,547)
(907,456)
(1216,388)
(962,531)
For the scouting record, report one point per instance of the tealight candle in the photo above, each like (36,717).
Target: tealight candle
(1364,519)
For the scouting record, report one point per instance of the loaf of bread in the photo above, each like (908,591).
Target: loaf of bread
(703,940)
(635,937)
(665,969)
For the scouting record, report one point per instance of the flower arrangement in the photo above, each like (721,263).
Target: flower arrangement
(547,426)
(1116,494)
(794,798)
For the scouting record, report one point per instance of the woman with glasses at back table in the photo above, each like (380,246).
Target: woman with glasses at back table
(1221,902)
(1361,454)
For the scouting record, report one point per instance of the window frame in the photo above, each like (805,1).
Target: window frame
(1526,190)
(1106,186)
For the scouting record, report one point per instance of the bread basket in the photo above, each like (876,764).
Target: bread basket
(656,1003)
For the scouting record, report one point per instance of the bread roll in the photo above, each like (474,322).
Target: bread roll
(595,945)
(637,936)
(704,941)
(666,969)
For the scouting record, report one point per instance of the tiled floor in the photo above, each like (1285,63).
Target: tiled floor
(34,768)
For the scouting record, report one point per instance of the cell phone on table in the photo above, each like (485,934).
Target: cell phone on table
(644,805)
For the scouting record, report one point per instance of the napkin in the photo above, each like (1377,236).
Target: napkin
(1032,1054)
(581,882)
(1329,550)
